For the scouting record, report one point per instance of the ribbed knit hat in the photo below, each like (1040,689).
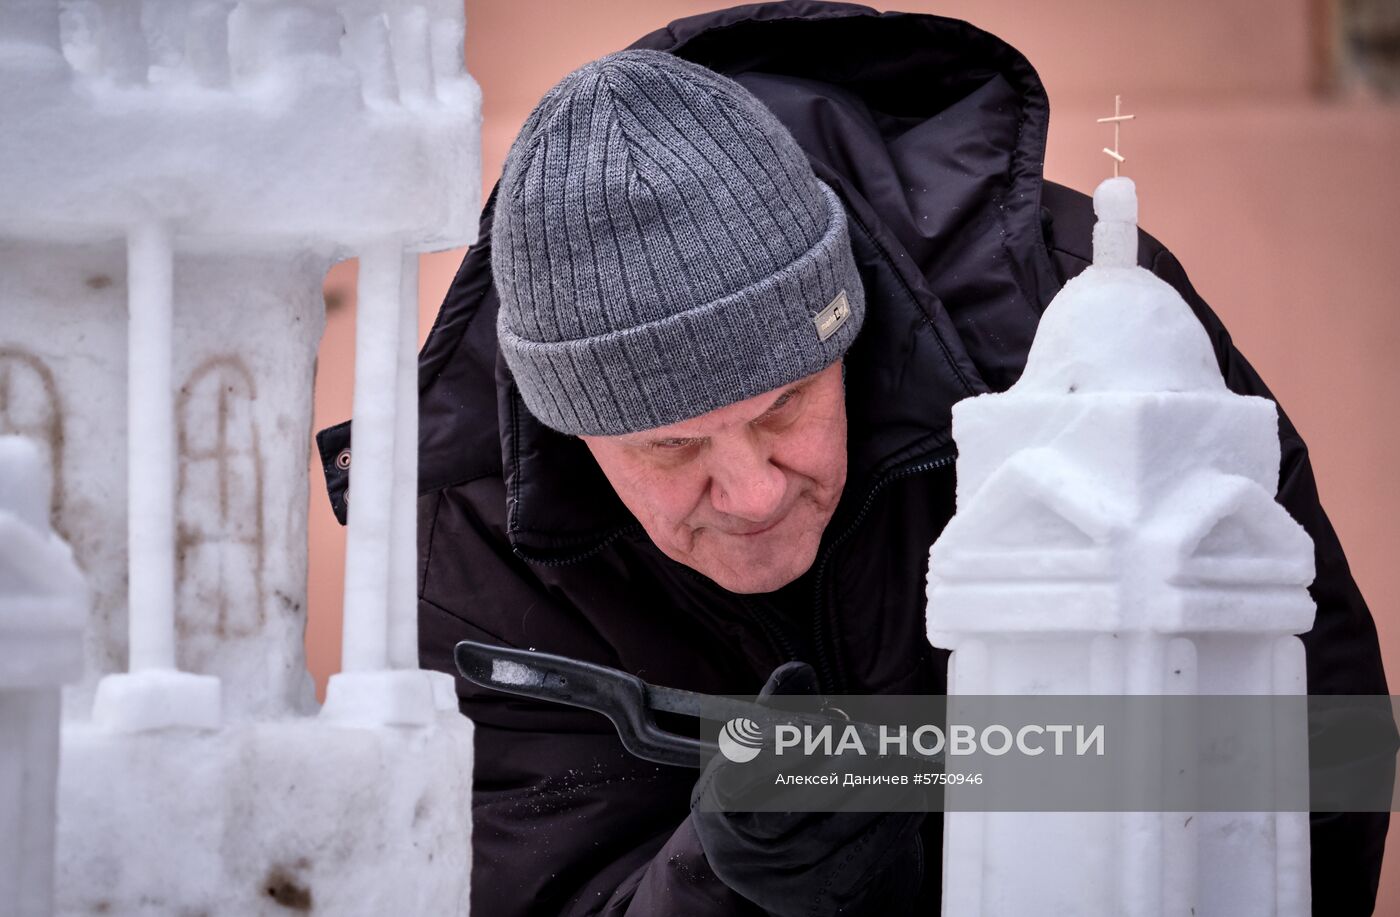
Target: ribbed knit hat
(662,248)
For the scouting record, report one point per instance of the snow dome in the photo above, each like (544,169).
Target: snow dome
(1116,327)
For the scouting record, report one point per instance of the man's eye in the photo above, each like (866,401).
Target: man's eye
(671,445)
(780,408)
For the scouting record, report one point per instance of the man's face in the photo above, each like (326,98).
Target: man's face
(743,493)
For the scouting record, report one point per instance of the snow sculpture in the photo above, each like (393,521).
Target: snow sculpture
(43,603)
(175,179)
(1116,533)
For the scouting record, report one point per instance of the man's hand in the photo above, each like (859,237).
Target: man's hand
(804,863)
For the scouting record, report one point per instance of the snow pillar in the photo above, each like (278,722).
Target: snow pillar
(403,530)
(125,56)
(43,603)
(445,34)
(206,43)
(367,43)
(379,680)
(409,33)
(152,694)
(150,451)
(29,720)
(364,645)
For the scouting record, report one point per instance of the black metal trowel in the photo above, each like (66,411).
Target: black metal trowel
(625,699)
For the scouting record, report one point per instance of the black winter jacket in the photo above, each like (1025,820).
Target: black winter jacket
(933,133)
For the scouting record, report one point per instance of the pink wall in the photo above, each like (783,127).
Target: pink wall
(1283,208)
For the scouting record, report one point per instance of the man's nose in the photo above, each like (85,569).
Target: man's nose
(745,483)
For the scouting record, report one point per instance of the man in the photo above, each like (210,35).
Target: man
(687,414)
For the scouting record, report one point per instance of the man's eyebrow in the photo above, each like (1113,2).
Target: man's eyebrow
(782,397)
(645,440)
(777,404)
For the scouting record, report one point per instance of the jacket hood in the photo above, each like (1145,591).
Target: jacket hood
(931,131)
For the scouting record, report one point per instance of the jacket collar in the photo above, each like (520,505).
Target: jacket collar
(932,132)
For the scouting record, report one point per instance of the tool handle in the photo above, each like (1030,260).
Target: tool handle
(619,696)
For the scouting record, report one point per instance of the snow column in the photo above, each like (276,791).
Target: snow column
(403,529)
(152,694)
(380,681)
(150,451)
(43,607)
(364,646)
(409,33)
(122,43)
(206,42)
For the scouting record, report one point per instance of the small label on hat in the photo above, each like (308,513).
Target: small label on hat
(832,317)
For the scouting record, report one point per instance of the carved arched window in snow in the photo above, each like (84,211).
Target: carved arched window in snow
(29,406)
(219,501)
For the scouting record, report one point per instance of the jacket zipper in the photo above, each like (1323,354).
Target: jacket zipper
(826,668)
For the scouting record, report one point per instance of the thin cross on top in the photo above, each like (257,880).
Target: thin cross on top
(1117,122)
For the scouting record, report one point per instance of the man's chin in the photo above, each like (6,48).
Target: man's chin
(748,577)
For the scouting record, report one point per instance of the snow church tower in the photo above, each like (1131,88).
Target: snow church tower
(1117,533)
(176,176)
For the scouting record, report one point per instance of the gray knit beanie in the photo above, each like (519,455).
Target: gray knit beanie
(662,248)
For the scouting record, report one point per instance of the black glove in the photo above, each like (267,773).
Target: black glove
(804,863)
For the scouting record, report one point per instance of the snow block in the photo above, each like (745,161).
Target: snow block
(394,697)
(157,699)
(271,817)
